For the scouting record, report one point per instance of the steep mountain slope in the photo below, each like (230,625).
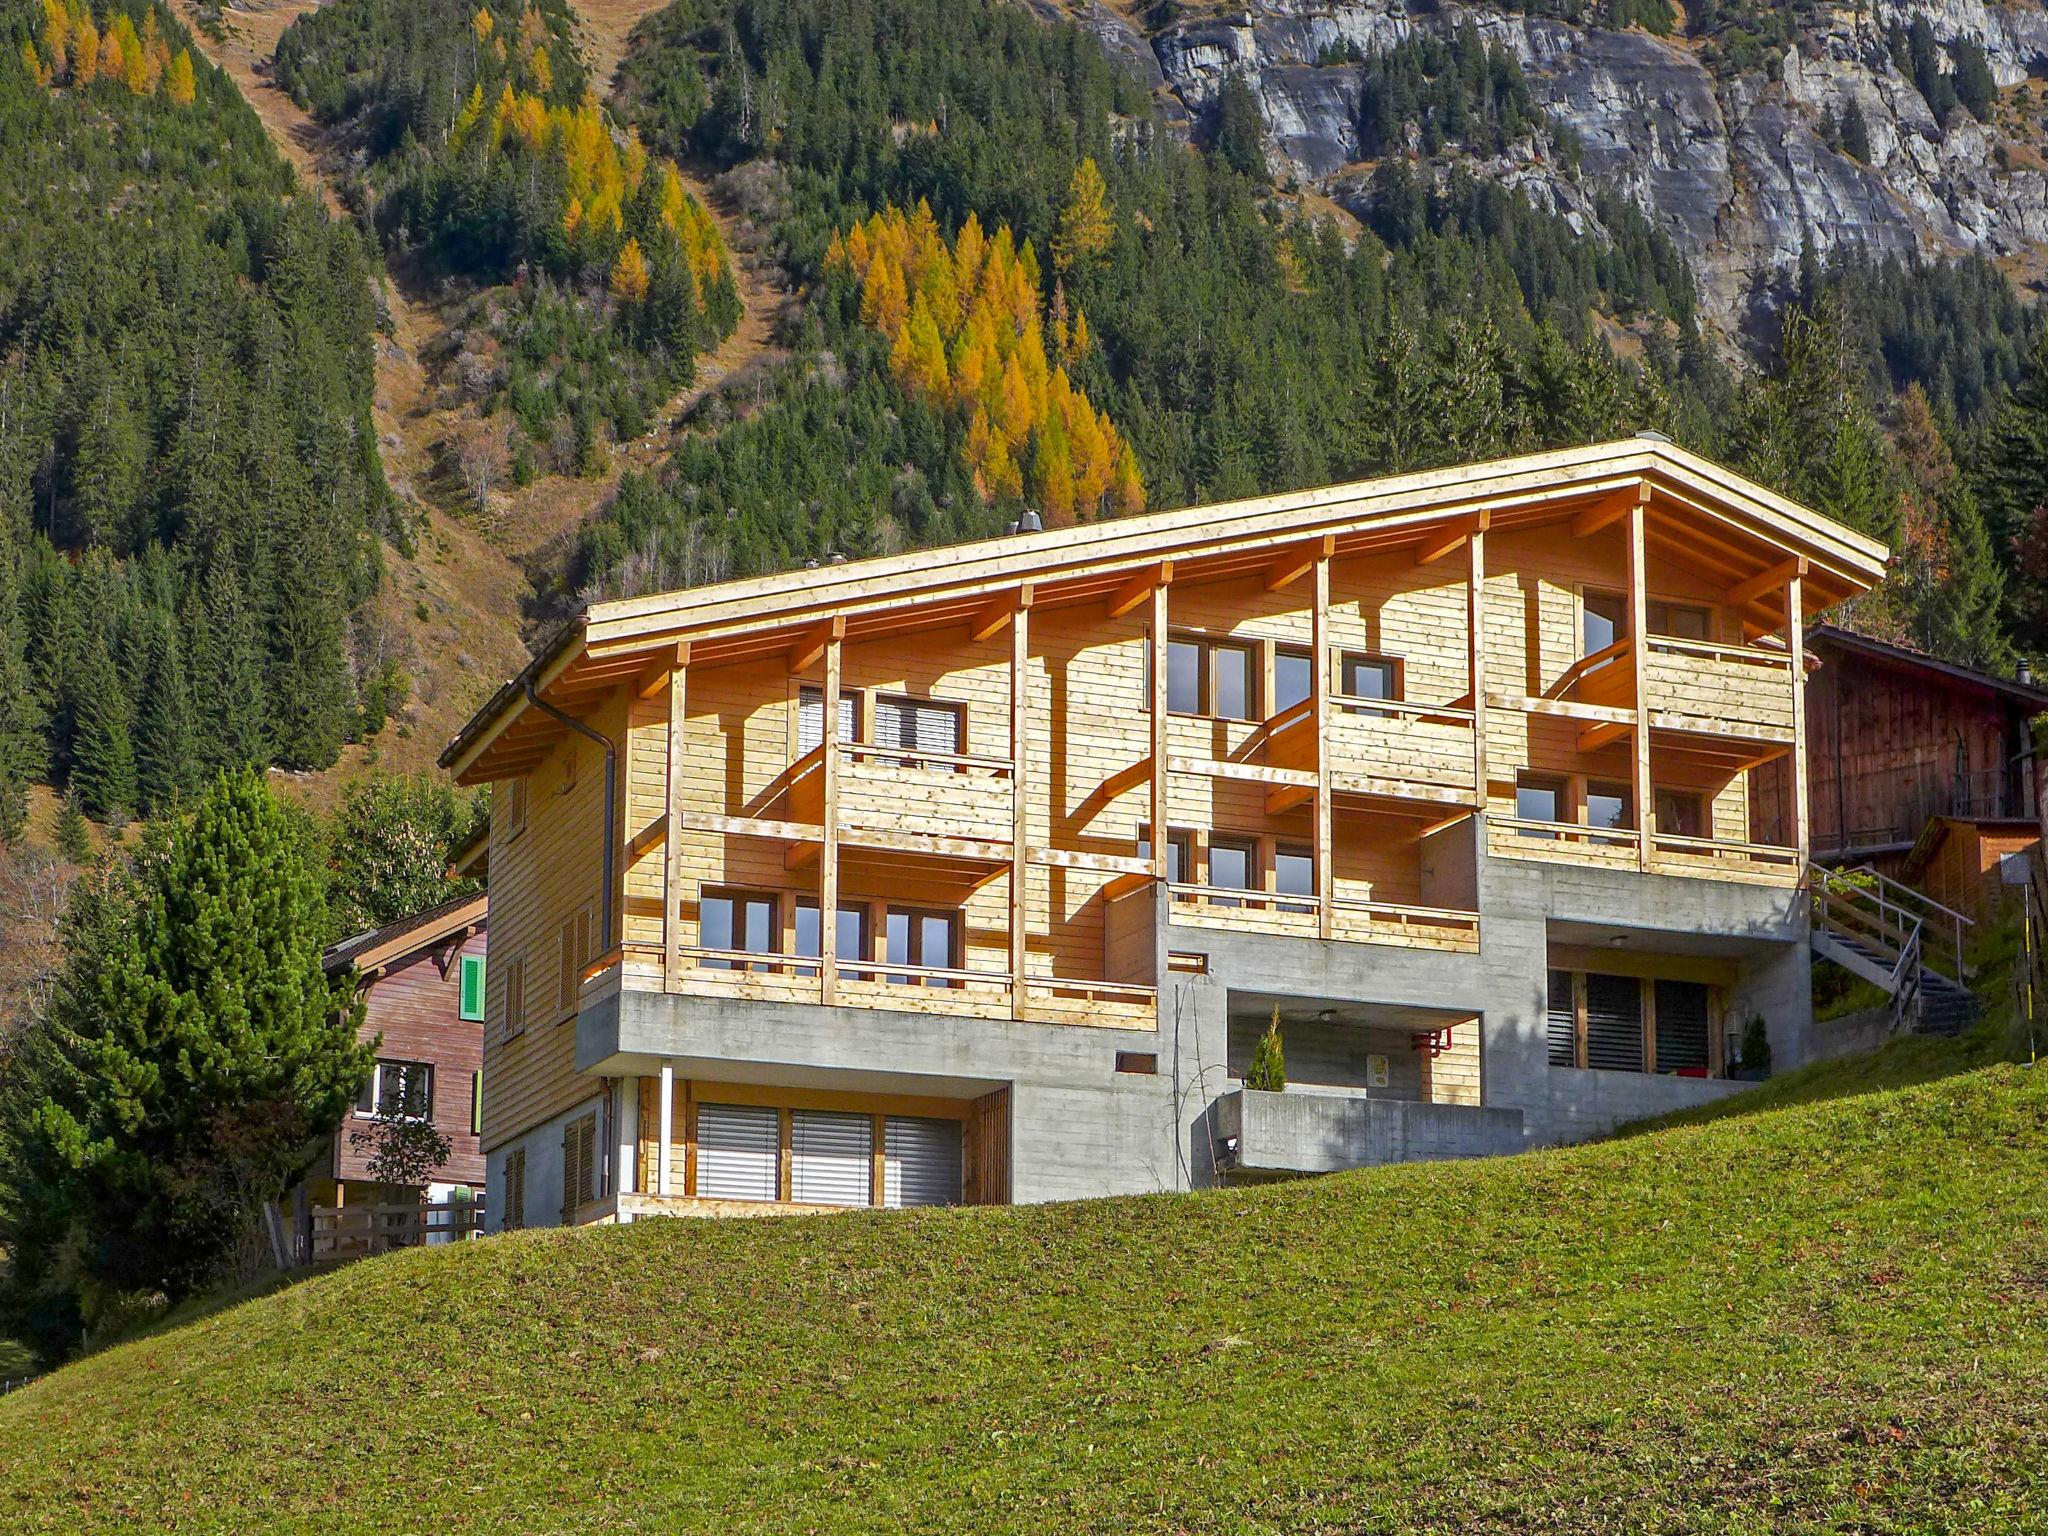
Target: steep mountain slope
(1823,1318)
(1731,133)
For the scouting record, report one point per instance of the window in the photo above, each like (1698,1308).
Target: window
(398,1090)
(472,987)
(1294,677)
(919,725)
(1681,813)
(921,1163)
(515,996)
(1138,1063)
(1233,866)
(929,939)
(738,1152)
(1614,1023)
(1211,677)
(1538,799)
(579,1164)
(1366,676)
(515,1191)
(831,1157)
(810,717)
(1180,853)
(1682,1025)
(1563,1019)
(1608,806)
(849,940)
(737,920)
(1605,621)
(1681,621)
(1294,874)
(575,950)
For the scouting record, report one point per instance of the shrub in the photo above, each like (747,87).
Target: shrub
(1268,1071)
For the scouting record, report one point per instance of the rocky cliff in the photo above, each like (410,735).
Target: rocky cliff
(1736,164)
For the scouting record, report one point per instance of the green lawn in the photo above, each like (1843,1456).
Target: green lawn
(1827,1317)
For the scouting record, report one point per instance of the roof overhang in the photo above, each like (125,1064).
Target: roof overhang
(1698,516)
(377,951)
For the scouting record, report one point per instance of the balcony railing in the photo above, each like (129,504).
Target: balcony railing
(1723,859)
(1722,690)
(1515,837)
(1388,743)
(1295,916)
(1567,842)
(905,790)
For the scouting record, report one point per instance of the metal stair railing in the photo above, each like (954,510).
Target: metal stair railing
(1861,914)
(1944,925)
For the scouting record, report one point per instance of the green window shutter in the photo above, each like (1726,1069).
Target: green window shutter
(476,1103)
(472,986)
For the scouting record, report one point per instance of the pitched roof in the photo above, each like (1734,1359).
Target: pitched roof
(1908,659)
(1697,512)
(407,936)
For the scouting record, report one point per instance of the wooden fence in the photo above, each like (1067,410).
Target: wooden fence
(339,1233)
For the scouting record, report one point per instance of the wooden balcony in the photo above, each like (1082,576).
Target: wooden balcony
(1510,837)
(1355,920)
(1718,690)
(894,791)
(1378,749)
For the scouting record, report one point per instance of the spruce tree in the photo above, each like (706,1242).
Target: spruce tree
(209,1053)
(103,752)
(226,674)
(23,755)
(166,760)
(74,837)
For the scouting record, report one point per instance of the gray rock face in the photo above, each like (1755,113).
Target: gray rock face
(1734,168)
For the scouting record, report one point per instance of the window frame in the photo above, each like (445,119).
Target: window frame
(915,917)
(1288,650)
(1608,789)
(1703,819)
(1559,786)
(1180,841)
(373,1090)
(1587,595)
(1667,607)
(1246,843)
(1307,853)
(1206,648)
(859,910)
(1347,701)
(739,895)
(853,696)
(914,703)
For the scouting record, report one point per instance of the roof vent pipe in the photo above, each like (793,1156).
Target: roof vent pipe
(611,799)
(2026,672)
(1030,522)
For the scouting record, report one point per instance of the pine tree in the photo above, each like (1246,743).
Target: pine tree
(103,754)
(1855,134)
(1241,129)
(166,760)
(209,1054)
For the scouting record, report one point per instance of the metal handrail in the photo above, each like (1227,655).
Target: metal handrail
(1945,919)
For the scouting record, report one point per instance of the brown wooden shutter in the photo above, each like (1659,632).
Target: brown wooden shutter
(515,1191)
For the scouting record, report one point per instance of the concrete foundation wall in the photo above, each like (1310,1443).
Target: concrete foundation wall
(543,1146)
(1286,1133)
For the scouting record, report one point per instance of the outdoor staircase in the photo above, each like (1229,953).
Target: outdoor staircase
(1900,940)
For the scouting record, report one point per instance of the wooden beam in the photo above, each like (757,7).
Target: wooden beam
(1248,773)
(1319,694)
(828,849)
(1020,742)
(1743,592)
(812,644)
(1795,638)
(1443,542)
(1156,639)
(672,862)
(1639,656)
(1607,732)
(993,618)
(1611,510)
(1296,563)
(1285,797)
(1098,863)
(1132,593)
(1475,660)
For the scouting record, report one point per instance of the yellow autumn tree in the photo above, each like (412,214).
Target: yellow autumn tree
(541,71)
(629,274)
(56,42)
(482,24)
(32,62)
(1085,222)
(466,119)
(134,59)
(113,63)
(85,51)
(179,83)
(156,56)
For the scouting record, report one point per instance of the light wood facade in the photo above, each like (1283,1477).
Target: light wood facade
(1278,716)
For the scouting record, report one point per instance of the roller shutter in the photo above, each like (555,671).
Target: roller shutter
(1564,1021)
(810,718)
(917,725)
(738,1149)
(1682,1016)
(923,1162)
(1614,1023)
(831,1157)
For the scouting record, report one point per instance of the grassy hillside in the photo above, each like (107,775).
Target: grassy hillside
(1821,1318)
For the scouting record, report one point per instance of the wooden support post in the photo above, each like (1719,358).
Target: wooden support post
(666,1137)
(672,850)
(1795,644)
(828,852)
(1020,740)
(1161,835)
(1325,831)
(1639,651)
(1475,613)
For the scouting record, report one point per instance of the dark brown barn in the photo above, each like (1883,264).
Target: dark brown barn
(1895,739)
(423,985)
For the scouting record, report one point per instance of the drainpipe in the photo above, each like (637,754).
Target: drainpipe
(611,797)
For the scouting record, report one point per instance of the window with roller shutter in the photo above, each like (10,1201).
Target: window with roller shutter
(831,1156)
(1563,1020)
(1614,1023)
(921,1161)
(918,725)
(810,717)
(1682,1026)
(738,1152)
